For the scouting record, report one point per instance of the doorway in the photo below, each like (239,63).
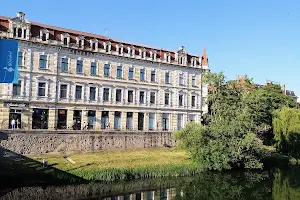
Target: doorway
(62,119)
(77,120)
(40,118)
(16,115)
(140,121)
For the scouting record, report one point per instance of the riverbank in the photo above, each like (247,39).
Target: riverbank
(124,165)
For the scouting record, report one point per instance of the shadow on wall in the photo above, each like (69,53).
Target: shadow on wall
(20,171)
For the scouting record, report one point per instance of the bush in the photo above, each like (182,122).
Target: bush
(222,145)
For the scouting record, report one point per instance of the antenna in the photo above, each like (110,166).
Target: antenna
(106,31)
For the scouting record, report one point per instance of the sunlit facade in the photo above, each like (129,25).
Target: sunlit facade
(75,80)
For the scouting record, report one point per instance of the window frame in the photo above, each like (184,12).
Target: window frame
(131,73)
(60,89)
(93,69)
(81,96)
(45,89)
(106,71)
(119,71)
(43,62)
(79,63)
(64,65)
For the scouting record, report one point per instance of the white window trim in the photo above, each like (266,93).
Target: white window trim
(63,36)
(155,96)
(68,90)
(22,88)
(46,88)
(23,56)
(96,92)
(122,94)
(80,39)
(145,96)
(107,44)
(120,46)
(97,67)
(92,41)
(44,31)
(109,93)
(134,71)
(82,92)
(155,79)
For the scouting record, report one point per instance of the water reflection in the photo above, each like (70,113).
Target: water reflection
(274,184)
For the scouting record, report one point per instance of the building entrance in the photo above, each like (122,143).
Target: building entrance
(40,118)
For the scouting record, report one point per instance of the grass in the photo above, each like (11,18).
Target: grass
(126,165)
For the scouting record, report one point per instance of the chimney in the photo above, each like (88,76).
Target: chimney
(21,15)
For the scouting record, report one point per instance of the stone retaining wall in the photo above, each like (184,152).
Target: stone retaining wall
(38,142)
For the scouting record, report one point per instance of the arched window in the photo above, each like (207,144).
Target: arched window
(19,32)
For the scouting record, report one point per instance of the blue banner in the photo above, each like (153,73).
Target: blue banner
(8,61)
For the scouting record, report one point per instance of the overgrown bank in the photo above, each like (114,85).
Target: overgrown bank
(125,165)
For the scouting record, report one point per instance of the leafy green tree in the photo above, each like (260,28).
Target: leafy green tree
(286,125)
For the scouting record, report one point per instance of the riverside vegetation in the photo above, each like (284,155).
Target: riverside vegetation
(247,127)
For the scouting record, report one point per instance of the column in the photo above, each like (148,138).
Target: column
(26,119)
(146,121)
(111,118)
(159,121)
(84,118)
(98,120)
(173,122)
(135,120)
(123,120)
(52,118)
(70,113)
(4,117)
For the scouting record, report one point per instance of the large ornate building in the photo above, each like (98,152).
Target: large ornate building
(73,80)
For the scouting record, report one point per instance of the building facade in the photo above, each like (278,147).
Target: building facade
(74,80)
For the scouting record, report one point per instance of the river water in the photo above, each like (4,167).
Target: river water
(273,184)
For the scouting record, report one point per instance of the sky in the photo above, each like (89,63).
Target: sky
(259,38)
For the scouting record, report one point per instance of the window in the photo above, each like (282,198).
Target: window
(167,78)
(131,73)
(93,68)
(142,74)
(142,97)
(130,96)
(94,46)
(78,92)
(180,79)
(119,72)
(92,93)
(151,121)
(194,81)
(42,89)
(106,70)
(20,58)
(64,65)
(17,89)
(79,65)
(24,33)
(63,91)
(19,32)
(193,101)
(118,95)
(167,98)
(65,41)
(152,97)
(153,76)
(15,32)
(106,94)
(44,38)
(43,61)
(180,99)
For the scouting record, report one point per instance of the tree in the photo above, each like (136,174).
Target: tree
(238,111)
(286,126)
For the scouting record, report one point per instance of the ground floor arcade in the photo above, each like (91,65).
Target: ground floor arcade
(51,117)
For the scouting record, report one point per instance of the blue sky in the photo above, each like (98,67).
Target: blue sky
(260,38)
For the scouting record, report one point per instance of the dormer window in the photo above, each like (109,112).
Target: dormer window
(120,49)
(19,26)
(80,41)
(19,32)
(168,57)
(65,39)
(44,34)
(131,51)
(94,44)
(107,47)
(143,53)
